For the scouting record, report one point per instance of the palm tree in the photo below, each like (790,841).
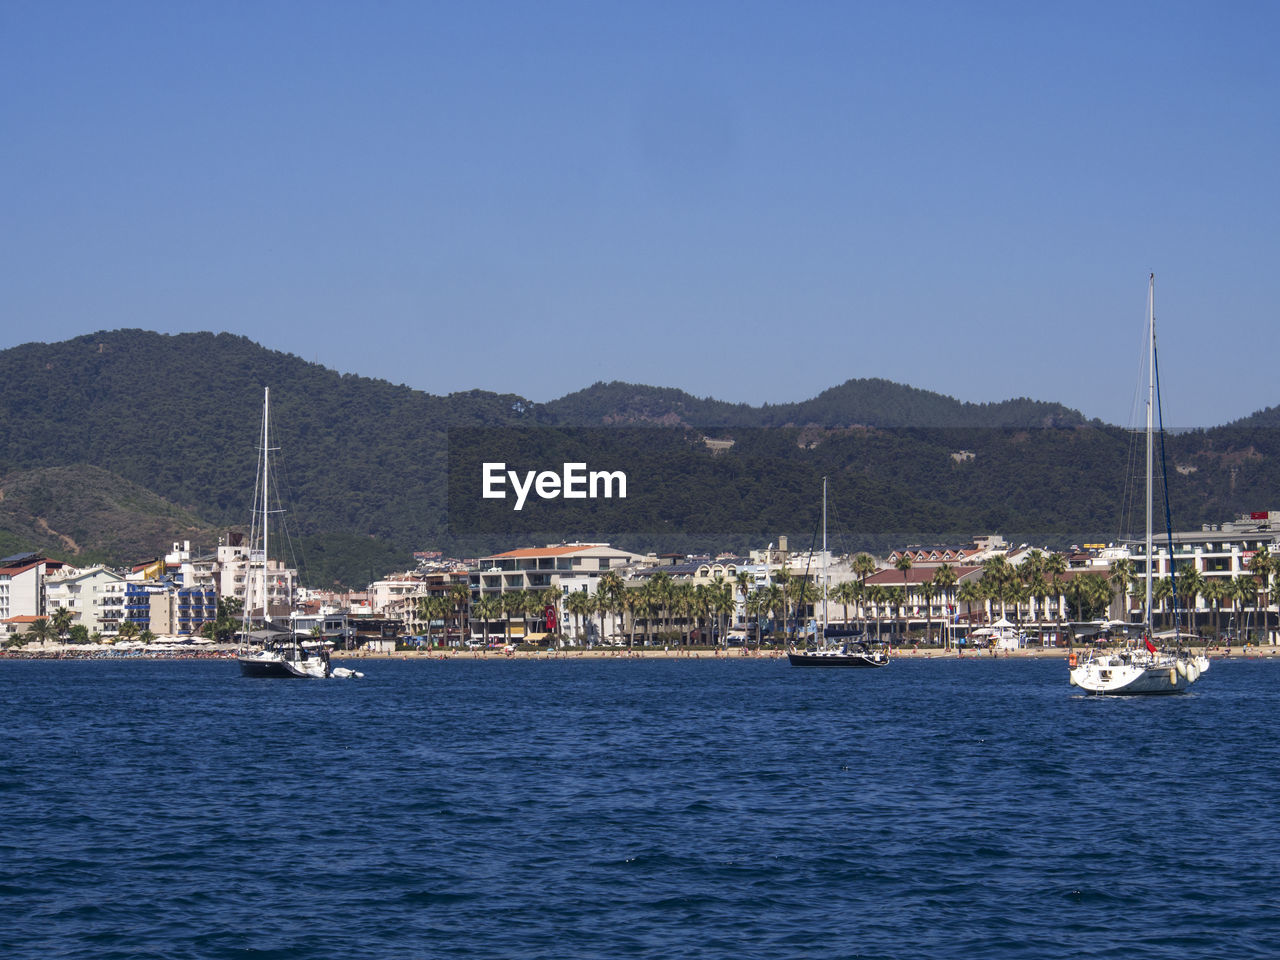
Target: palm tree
(970,592)
(756,605)
(782,580)
(875,595)
(1076,592)
(864,565)
(1216,590)
(998,578)
(460,599)
(1161,594)
(601,606)
(439,607)
(512,604)
(804,594)
(609,597)
(1244,593)
(845,593)
(928,591)
(1099,596)
(903,563)
(775,599)
(1190,587)
(1038,590)
(745,583)
(578,603)
(635,603)
(720,594)
(487,608)
(1262,565)
(41,629)
(535,603)
(1055,565)
(699,599)
(1031,566)
(944,579)
(681,607)
(895,599)
(61,622)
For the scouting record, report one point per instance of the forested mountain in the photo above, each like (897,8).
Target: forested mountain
(115,444)
(873,402)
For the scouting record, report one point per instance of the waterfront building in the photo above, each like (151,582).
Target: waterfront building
(534,569)
(1219,554)
(94,597)
(22,584)
(230,571)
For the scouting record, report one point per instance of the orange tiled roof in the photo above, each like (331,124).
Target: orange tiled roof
(21,568)
(529,552)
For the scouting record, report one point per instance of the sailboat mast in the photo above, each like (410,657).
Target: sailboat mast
(1151,397)
(824,559)
(266,448)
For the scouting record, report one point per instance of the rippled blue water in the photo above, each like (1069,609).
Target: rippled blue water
(574,809)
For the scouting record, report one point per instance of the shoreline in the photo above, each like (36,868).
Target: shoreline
(70,652)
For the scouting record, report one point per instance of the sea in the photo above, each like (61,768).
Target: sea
(693,808)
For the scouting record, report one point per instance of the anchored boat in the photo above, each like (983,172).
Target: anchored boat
(1145,668)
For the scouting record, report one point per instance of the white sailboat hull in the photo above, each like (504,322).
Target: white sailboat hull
(1126,674)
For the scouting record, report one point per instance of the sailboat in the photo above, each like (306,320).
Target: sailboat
(1146,668)
(850,652)
(280,654)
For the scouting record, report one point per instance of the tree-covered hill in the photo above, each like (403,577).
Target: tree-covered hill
(89,425)
(87,514)
(871,402)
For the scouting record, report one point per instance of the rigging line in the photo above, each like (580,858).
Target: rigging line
(1168,517)
(808,562)
(292,536)
(834,520)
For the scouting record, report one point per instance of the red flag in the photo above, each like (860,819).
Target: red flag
(1150,646)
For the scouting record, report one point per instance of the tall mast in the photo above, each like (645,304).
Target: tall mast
(266,447)
(824,559)
(1151,403)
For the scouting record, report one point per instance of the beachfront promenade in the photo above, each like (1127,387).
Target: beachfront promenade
(224,651)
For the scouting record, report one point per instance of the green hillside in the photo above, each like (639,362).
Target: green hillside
(113,445)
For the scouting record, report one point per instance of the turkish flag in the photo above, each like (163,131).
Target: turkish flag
(1150,646)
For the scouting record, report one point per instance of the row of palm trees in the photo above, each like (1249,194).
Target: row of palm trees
(1247,593)
(678,610)
(60,625)
(1091,595)
(661,607)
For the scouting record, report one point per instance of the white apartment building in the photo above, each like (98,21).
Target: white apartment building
(236,571)
(95,597)
(1218,551)
(534,568)
(22,578)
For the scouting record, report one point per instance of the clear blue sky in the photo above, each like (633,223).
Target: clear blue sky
(752,201)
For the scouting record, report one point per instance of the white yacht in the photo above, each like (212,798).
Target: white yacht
(1144,668)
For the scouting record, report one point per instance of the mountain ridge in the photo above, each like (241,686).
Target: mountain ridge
(176,415)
